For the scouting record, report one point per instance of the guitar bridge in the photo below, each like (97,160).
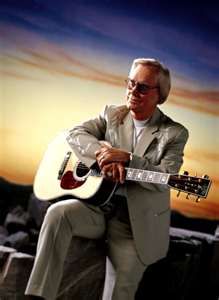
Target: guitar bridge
(64,164)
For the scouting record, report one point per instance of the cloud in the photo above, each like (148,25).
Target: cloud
(34,52)
(148,34)
(204,101)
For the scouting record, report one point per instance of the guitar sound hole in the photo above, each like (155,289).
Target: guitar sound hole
(82,170)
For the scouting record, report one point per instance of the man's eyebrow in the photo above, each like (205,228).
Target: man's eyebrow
(143,82)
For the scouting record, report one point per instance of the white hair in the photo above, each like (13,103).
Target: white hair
(164,81)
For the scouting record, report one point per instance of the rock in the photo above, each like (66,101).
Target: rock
(17,240)
(15,271)
(83,276)
(12,194)
(17,219)
(3,235)
(4,254)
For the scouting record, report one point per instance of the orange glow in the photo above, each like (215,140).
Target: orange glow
(47,89)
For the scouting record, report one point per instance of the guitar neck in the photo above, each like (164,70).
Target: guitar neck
(184,183)
(147,176)
(141,175)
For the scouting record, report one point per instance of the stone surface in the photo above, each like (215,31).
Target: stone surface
(176,277)
(11,195)
(191,270)
(83,276)
(14,273)
(4,254)
(17,240)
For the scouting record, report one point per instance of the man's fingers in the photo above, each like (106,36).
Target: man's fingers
(102,150)
(115,173)
(107,171)
(121,173)
(107,155)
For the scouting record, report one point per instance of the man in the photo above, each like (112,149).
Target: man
(138,135)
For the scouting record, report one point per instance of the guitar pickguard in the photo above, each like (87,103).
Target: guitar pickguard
(68,182)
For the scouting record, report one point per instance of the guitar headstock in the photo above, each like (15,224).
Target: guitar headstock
(192,185)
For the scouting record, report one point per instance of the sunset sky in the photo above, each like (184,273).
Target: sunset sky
(62,61)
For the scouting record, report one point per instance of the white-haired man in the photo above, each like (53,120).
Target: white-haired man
(138,136)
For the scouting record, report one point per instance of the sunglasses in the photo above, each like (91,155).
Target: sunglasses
(142,88)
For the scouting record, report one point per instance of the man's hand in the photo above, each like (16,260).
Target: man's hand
(112,162)
(114,171)
(107,155)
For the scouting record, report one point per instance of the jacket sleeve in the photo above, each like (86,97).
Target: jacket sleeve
(84,139)
(171,161)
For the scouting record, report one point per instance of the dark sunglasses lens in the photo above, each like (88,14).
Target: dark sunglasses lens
(142,88)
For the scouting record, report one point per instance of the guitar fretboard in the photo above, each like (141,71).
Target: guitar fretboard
(147,176)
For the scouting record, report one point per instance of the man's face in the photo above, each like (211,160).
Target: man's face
(140,100)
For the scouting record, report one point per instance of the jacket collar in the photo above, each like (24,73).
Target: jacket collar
(126,131)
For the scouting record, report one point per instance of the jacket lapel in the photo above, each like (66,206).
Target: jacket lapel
(126,131)
(148,133)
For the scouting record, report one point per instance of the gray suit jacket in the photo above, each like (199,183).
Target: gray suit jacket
(160,149)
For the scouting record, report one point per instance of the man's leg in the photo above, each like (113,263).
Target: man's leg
(63,220)
(123,255)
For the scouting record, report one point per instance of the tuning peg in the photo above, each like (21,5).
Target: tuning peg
(185,173)
(205,176)
(178,194)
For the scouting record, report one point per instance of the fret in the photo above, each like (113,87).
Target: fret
(145,175)
(139,175)
(132,174)
(129,174)
(164,178)
(158,177)
(135,174)
(151,176)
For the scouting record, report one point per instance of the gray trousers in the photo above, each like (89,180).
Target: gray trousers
(70,218)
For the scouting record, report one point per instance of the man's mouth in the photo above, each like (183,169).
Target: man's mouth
(134,100)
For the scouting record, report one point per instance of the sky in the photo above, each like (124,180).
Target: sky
(62,61)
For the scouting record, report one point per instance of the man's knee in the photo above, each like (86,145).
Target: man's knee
(56,212)
(76,217)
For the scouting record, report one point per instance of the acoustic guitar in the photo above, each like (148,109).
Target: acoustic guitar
(61,175)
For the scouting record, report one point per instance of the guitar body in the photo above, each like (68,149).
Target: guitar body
(57,177)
